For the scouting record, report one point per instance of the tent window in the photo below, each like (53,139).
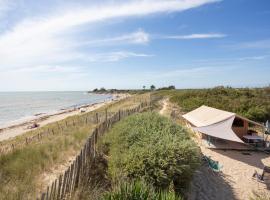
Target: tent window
(238,122)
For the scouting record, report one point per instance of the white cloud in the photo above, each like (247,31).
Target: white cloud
(39,41)
(196,36)
(113,56)
(138,37)
(43,44)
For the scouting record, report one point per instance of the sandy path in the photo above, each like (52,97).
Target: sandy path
(49,176)
(19,129)
(167,108)
(164,104)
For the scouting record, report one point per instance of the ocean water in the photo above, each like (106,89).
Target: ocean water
(17,107)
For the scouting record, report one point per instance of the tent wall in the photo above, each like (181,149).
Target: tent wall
(240,131)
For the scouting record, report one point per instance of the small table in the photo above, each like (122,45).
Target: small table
(253,137)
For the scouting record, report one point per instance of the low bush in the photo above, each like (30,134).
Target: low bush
(151,147)
(253,103)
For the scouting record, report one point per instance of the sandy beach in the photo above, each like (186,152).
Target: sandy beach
(20,128)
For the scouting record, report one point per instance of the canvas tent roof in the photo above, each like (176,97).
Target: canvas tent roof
(213,122)
(221,130)
(204,116)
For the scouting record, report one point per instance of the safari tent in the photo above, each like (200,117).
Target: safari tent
(212,124)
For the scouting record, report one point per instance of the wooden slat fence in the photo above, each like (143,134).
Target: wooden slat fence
(58,128)
(65,185)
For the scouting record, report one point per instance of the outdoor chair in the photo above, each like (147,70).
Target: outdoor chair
(212,164)
(264,177)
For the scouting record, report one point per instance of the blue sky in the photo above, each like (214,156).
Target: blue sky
(81,45)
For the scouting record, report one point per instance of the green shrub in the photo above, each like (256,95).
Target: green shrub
(251,103)
(153,148)
(163,161)
(138,190)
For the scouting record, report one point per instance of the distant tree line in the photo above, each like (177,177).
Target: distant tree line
(171,87)
(102,90)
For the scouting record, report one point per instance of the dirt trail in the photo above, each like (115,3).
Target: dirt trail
(164,109)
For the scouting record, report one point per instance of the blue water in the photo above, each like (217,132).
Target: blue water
(19,106)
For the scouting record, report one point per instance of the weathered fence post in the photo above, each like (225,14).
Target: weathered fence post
(59,187)
(97,120)
(106,115)
(55,189)
(43,196)
(47,193)
(51,194)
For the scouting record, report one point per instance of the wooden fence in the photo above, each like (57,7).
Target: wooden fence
(66,184)
(56,128)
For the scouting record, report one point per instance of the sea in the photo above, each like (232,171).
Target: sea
(18,107)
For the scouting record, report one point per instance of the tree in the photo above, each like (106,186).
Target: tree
(152,87)
(171,87)
(102,89)
(143,87)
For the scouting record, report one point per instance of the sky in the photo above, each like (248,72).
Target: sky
(81,45)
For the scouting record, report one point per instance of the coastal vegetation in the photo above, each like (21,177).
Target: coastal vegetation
(171,87)
(139,190)
(150,156)
(102,90)
(144,156)
(253,103)
(21,169)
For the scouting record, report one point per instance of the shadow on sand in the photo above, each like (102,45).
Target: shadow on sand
(209,185)
(252,158)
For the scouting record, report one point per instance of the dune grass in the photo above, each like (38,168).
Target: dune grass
(139,190)
(21,168)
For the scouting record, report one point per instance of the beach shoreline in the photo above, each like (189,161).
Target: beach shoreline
(13,130)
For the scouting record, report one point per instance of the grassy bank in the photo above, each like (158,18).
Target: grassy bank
(149,157)
(251,103)
(20,169)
